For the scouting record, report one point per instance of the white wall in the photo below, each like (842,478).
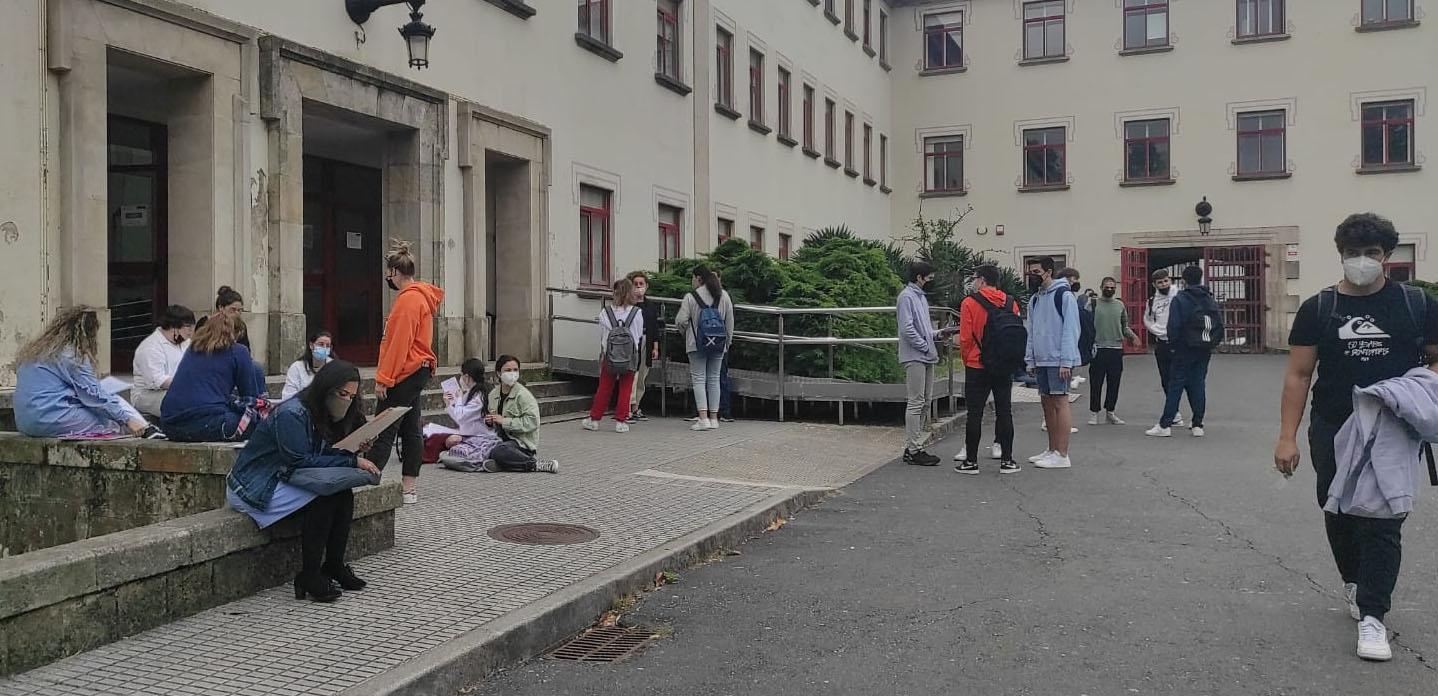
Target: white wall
(24,293)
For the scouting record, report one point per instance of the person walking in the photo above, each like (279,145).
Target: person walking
(1111,331)
(1195,328)
(918,354)
(1052,352)
(1155,319)
(991,341)
(706,318)
(653,335)
(1354,334)
(621,338)
(406,362)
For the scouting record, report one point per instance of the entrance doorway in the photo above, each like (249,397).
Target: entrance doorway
(1234,274)
(137,242)
(344,256)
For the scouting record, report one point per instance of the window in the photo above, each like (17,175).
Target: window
(594,19)
(1146,150)
(756,238)
(829,128)
(1400,265)
(848,140)
(883,160)
(1044,157)
(756,86)
(1261,143)
(786,244)
(868,153)
(1145,23)
(1043,29)
(944,164)
(808,118)
(849,17)
(883,37)
(784,107)
(594,237)
(670,246)
(943,40)
(666,60)
(726,230)
(1385,11)
(1388,134)
(868,19)
(1260,18)
(724,67)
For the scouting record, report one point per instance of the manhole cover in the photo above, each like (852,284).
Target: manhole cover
(543,533)
(604,644)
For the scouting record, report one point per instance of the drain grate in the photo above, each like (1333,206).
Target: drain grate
(605,644)
(544,533)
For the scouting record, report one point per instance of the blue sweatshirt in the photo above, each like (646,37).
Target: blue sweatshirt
(204,382)
(916,329)
(1053,339)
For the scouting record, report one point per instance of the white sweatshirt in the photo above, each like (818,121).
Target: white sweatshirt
(1155,317)
(469,415)
(296,379)
(156,360)
(631,314)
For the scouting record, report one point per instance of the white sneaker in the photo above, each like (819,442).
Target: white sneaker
(1053,461)
(1093,418)
(1350,595)
(547,466)
(963,454)
(411,498)
(1178,420)
(1045,427)
(1159,431)
(1198,431)
(589,424)
(700,424)
(621,427)
(997,452)
(713,424)
(1076,381)
(1046,454)
(1373,640)
(1113,419)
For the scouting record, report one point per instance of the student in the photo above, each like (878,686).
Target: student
(1111,330)
(227,301)
(980,351)
(318,351)
(1359,332)
(157,358)
(1051,355)
(1155,319)
(1195,328)
(216,396)
(469,450)
(406,362)
(515,419)
(653,336)
(619,359)
(290,468)
(706,318)
(56,391)
(918,355)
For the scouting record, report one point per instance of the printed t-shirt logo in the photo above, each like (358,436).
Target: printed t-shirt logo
(1363,339)
(1359,328)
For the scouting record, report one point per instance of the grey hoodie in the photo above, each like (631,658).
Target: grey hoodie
(1377,448)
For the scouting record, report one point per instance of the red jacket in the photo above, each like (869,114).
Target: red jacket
(973,317)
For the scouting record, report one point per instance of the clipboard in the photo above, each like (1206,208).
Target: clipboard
(372,429)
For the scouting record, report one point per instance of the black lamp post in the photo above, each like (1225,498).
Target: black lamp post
(416,34)
(1205,223)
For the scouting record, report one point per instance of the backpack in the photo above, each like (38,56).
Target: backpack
(620,355)
(1002,349)
(1413,298)
(711,333)
(1088,332)
(1204,326)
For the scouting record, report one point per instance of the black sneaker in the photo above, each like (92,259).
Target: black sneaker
(639,416)
(152,433)
(726,419)
(1009,467)
(920,458)
(967,468)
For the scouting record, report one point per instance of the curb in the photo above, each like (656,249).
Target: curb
(458,666)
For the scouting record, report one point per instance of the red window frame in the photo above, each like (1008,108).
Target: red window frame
(783,81)
(1386,125)
(883,160)
(848,140)
(1409,268)
(829,128)
(589,276)
(1386,19)
(883,36)
(868,19)
(587,10)
(941,32)
(809,117)
(1150,7)
(756,238)
(948,158)
(1043,21)
(868,156)
(849,16)
(756,86)
(1147,142)
(671,242)
(667,48)
(1045,147)
(786,243)
(1251,8)
(725,224)
(724,66)
(1281,132)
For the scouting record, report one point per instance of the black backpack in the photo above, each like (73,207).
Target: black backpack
(1005,338)
(1088,332)
(1204,326)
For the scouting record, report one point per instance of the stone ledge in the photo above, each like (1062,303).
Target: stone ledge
(212,458)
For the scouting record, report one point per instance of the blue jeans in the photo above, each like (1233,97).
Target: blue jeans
(704,373)
(724,388)
(219,427)
(1189,372)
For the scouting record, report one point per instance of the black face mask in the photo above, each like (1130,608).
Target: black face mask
(390,282)
(1074,286)
(1034,281)
(1109,292)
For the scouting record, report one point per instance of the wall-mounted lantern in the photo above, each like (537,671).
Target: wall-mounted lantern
(416,34)
(1204,209)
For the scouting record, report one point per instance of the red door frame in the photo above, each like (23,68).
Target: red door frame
(1134,287)
(1236,277)
(334,281)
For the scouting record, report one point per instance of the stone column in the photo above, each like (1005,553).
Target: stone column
(282,110)
(84,168)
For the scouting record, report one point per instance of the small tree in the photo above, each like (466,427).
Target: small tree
(936,242)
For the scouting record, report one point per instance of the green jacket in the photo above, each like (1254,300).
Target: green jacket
(521,415)
(1110,323)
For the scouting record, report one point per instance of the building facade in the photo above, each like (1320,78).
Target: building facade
(158,149)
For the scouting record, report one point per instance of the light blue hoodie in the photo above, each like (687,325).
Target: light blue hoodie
(1053,339)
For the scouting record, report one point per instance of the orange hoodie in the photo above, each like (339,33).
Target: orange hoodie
(973,317)
(408,333)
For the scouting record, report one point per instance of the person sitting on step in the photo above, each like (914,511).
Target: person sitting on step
(318,351)
(469,450)
(216,395)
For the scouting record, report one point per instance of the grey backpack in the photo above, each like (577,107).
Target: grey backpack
(619,352)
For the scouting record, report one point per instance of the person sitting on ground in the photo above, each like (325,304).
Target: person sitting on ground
(215,396)
(56,391)
(515,419)
(318,351)
(227,301)
(158,357)
(619,359)
(290,467)
(469,450)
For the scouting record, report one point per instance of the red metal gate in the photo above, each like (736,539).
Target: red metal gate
(1235,276)
(1135,290)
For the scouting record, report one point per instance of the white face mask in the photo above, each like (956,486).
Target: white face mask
(509,378)
(1362,271)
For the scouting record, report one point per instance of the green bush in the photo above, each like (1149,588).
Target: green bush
(1425,286)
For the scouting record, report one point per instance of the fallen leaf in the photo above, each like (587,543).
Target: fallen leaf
(776,524)
(609,619)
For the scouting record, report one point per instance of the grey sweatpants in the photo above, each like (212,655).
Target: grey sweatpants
(919,378)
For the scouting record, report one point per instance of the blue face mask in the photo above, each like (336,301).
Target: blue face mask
(321,352)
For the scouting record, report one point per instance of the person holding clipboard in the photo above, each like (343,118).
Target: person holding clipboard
(289,467)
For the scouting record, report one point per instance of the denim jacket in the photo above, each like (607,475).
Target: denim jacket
(282,443)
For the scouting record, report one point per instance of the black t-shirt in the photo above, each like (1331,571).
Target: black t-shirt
(1366,340)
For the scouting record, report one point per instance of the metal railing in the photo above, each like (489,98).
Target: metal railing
(946,317)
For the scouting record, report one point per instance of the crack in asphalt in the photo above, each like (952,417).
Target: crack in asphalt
(1417,655)
(1046,539)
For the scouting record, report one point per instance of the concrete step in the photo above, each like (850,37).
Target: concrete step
(433,399)
(529,372)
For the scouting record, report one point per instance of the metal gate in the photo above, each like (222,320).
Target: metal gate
(1135,292)
(1235,276)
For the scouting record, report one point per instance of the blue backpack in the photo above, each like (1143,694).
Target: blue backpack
(711,333)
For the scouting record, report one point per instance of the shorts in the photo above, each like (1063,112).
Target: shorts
(1049,382)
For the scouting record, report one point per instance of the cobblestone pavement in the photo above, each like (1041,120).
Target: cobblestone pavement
(445,576)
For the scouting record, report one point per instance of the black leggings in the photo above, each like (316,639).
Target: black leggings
(325,531)
(408,428)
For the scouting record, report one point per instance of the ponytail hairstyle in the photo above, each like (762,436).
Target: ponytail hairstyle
(473,368)
(710,280)
(400,260)
(218,334)
(227,296)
